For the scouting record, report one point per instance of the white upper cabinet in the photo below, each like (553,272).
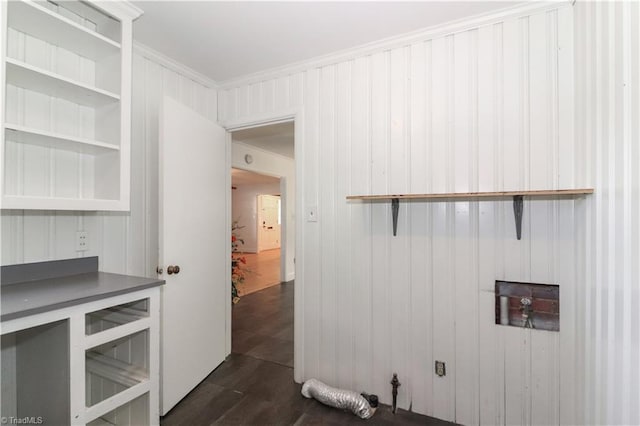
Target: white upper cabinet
(66,86)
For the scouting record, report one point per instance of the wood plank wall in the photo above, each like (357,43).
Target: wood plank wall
(414,119)
(608,123)
(125,242)
(489,108)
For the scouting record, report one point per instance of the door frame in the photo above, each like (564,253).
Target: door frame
(294,115)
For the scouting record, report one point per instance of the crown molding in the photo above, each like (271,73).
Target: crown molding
(421,35)
(173,65)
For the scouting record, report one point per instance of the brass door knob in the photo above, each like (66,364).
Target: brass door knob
(173,269)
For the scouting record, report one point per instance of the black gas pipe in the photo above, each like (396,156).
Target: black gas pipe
(395,383)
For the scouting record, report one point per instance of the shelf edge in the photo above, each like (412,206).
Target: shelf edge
(496,194)
(91,143)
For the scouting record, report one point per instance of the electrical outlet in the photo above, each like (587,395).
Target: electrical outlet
(441,368)
(82,241)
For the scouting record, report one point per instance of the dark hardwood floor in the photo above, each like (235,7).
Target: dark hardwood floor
(263,325)
(255,386)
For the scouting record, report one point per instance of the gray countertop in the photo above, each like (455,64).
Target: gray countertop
(33,297)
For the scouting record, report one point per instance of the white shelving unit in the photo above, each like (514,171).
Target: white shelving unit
(66,83)
(94,363)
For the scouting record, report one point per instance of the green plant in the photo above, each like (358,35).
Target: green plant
(238,262)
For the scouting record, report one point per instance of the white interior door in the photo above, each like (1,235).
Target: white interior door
(193,236)
(268,222)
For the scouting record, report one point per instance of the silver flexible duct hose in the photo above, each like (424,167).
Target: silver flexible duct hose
(339,398)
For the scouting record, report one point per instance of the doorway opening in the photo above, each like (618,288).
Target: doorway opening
(256,232)
(263,203)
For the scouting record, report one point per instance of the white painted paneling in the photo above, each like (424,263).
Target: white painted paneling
(326,212)
(485,108)
(344,278)
(312,265)
(420,309)
(380,309)
(501,96)
(360,225)
(607,44)
(398,170)
(465,220)
(125,242)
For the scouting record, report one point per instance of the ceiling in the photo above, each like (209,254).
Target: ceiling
(229,39)
(276,138)
(243,178)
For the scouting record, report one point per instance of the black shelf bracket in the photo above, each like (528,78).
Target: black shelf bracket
(395,206)
(517,214)
(518,208)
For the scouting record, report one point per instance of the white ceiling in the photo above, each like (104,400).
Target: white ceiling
(276,138)
(228,39)
(243,177)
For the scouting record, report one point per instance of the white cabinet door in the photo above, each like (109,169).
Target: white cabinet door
(193,236)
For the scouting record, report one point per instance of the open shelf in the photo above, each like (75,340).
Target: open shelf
(25,202)
(26,135)
(471,195)
(116,366)
(35,373)
(26,76)
(119,372)
(133,413)
(114,316)
(31,18)
(516,195)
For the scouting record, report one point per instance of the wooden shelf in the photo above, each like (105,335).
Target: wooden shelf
(516,195)
(23,75)
(26,135)
(31,18)
(497,194)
